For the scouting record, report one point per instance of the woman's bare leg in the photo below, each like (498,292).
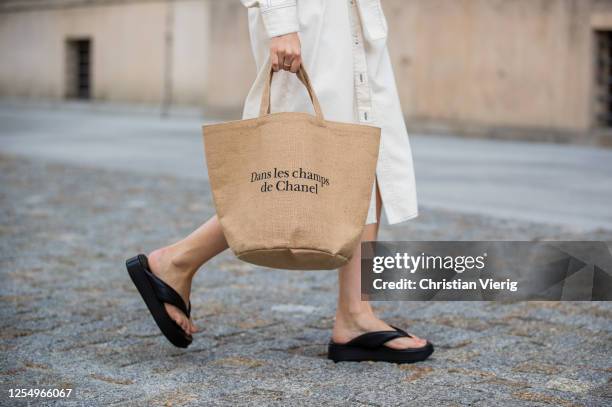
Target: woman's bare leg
(177,264)
(354,316)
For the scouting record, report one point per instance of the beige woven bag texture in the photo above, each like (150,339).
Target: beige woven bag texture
(291,190)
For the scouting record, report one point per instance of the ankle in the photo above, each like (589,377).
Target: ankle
(353,314)
(349,323)
(180,261)
(174,261)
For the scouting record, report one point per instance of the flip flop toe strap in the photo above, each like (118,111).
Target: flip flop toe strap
(167,294)
(401,331)
(374,340)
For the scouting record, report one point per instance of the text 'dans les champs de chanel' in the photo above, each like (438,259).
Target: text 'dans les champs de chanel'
(290,180)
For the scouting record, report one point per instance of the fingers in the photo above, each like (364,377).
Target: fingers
(275,61)
(287,63)
(285,52)
(281,54)
(292,60)
(295,65)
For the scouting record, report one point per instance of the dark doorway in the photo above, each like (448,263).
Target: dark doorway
(603,79)
(78,75)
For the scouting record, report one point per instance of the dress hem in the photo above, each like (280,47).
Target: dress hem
(396,221)
(405,218)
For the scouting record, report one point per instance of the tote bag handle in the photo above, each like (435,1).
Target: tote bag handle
(303,77)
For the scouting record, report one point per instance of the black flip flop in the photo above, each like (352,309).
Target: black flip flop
(155,293)
(371,347)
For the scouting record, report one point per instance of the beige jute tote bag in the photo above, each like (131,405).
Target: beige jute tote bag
(291,190)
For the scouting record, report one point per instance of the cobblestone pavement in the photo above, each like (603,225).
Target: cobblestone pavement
(70,316)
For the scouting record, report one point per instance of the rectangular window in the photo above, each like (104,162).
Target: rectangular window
(78,68)
(603,79)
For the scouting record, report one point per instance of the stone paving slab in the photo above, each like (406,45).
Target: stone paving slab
(70,316)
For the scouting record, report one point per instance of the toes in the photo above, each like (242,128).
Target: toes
(416,342)
(190,328)
(419,341)
(194,328)
(178,317)
(398,343)
(182,322)
(405,343)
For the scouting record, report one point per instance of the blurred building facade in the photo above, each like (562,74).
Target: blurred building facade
(510,68)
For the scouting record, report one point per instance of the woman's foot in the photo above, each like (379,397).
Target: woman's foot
(162,263)
(349,325)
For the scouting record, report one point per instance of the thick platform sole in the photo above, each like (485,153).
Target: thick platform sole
(344,353)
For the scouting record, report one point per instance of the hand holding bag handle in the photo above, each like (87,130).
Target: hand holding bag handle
(303,77)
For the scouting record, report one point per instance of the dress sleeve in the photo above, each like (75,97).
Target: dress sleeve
(279,16)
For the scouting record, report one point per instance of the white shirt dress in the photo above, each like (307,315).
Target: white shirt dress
(344,50)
